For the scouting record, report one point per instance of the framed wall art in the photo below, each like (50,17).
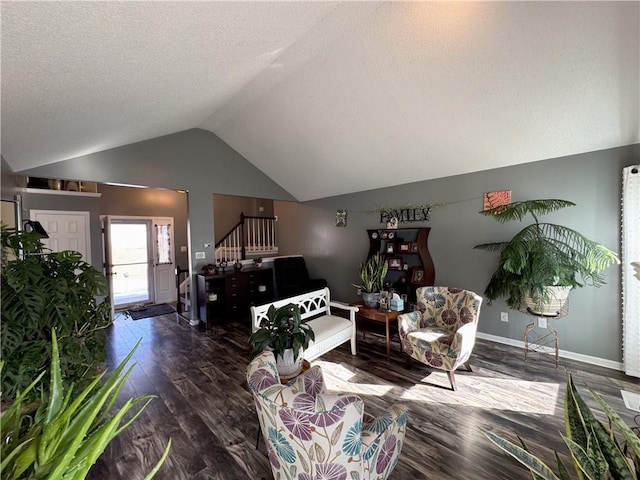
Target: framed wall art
(496,199)
(417,276)
(341,218)
(404,247)
(395,263)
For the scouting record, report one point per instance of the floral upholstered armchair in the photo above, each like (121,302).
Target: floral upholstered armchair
(442,332)
(314,435)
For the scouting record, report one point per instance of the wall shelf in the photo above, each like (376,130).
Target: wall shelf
(388,242)
(46,191)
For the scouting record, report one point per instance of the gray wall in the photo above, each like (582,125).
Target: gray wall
(198,161)
(591,180)
(71,203)
(149,202)
(10,184)
(194,160)
(227,210)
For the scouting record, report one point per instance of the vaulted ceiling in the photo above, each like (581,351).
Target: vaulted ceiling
(324,97)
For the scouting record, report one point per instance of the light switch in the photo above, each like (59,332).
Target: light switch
(200,256)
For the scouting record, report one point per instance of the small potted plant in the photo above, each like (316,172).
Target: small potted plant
(209,269)
(284,333)
(372,274)
(543,261)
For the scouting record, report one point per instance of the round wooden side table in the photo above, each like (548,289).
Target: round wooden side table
(305,366)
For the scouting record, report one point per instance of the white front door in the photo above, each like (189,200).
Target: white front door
(66,230)
(140,260)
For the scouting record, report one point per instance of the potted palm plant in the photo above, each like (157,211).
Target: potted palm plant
(284,333)
(543,261)
(372,274)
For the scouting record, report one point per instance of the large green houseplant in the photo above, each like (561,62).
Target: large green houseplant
(42,291)
(372,274)
(283,332)
(542,255)
(598,451)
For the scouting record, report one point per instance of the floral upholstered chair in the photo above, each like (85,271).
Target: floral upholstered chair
(443,330)
(314,435)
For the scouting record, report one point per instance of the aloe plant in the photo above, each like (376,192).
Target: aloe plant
(63,436)
(595,451)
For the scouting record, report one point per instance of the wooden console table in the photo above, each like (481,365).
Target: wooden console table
(383,316)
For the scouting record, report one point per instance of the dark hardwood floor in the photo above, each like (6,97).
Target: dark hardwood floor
(204,406)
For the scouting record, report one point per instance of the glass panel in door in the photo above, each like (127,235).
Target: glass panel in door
(130,263)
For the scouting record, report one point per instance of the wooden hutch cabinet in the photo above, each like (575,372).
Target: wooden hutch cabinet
(231,294)
(407,253)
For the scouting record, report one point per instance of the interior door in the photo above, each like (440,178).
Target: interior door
(164,256)
(66,230)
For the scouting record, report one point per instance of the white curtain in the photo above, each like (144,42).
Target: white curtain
(631,284)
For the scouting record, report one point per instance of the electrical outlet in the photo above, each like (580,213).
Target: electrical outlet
(358,291)
(183,248)
(201,255)
(504,316)
(542,322)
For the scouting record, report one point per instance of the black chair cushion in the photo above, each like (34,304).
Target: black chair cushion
(292,277)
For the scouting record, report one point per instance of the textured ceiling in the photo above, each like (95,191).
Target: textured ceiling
(325,98)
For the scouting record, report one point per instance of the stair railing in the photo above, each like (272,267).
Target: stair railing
(251,236)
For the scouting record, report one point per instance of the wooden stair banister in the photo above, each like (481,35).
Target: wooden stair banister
(255,236)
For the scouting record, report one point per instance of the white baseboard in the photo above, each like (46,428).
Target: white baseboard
(602,362)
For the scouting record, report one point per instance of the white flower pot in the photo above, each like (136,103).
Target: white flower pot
(549,304)
(287,366)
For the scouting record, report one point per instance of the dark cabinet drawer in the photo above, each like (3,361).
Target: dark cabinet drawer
(237,283)
(237,291)
(237,298)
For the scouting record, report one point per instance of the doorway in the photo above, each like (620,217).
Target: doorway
(139,262)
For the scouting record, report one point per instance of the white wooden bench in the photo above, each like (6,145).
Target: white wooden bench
(330,330)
